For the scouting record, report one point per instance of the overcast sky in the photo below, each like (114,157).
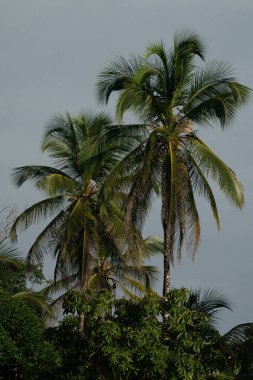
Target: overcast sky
(51,53)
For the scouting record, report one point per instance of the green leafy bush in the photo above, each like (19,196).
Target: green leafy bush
(24,352)
(125,339)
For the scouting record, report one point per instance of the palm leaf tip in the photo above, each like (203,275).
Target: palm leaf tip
(189,42)
(240,92)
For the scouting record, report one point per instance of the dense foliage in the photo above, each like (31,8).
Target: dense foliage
(124,339)
(24,352)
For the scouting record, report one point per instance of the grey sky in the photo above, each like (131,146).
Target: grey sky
(51,52)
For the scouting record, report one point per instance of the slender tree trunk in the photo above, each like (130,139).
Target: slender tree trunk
(81,323)
(167,222)
(166,261)
(85,261)
(85,273)
(168,253)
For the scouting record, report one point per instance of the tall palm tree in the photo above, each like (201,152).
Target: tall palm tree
(85,226)
(171,95)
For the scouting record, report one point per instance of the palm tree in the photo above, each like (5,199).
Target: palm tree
(171,95)
(106,274)
(85,226)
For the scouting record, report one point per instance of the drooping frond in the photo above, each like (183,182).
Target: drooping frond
(212,165)
(183,206)
(191,220)
(62,285)
(47,238)
(34,173)
(139,200)
(158,50)
(112,228)
(208,301)
(139,272)
(37,301)
(201,186)
(57,183)
(215,95)
(116,75)
(37,212)
(188,44)
(154,245)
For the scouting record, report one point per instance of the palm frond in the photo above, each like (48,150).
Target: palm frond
(154,245)
(9,256)
(79,216)
(188,43)
(115,76)
(201,186)
(212,165)
(59,184)
(209,301)
(238,334)
(37,301)
(47,238)
(34,173)
(215,95)
(62,285)
(35,213)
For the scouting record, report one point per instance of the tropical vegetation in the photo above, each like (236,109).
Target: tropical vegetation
(100,316)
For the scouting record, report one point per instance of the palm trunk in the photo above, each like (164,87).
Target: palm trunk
(168,224)
(85,261)
(168,234)
(166,261)
(84,273)
(81,323)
